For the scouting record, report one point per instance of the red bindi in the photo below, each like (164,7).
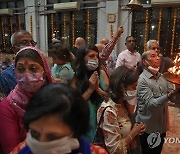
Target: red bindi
(26,63)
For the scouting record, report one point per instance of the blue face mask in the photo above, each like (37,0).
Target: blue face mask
(91,65)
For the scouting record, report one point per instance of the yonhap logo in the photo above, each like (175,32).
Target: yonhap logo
(154,139)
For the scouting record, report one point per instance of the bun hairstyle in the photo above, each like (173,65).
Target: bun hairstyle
(120,78)
(61,51)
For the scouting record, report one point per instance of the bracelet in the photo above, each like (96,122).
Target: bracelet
(130,136)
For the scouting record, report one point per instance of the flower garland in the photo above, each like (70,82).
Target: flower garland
(31,25)
(64,28)
(3,33)
(52,25)
(159,24)
(111,31)
(11,24)
(19,22)
(88,27)
(146,29)
(173,31)
(73,34)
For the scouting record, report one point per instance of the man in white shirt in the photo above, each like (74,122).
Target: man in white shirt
(129,57)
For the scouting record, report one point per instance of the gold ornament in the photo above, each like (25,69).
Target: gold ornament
(173,32)
(111,30)
(19,22)
(146,29)
(73,33)
(159,24)
(88,27)
(31,25)
(3,33)
(52,25)
(11,24)
(64,28)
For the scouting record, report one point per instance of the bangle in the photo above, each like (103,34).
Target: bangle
(130,136)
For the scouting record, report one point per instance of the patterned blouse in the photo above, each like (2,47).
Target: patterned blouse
(116,125)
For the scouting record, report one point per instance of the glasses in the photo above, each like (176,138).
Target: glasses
(155,48)
(131,41)
(27,43)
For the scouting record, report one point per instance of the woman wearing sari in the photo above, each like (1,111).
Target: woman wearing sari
(32,73)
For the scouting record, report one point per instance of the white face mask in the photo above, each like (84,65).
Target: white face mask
(92,65)
(152,69)
(60,146)
(133,101)
(129,95)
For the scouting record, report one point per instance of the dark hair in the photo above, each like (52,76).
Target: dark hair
(29,53)
(15,35)
(120,78)
(145,55)
(128,37)
(60,50)
(63,101)
(82,72)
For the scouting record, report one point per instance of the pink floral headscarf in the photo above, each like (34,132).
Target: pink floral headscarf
(19,98)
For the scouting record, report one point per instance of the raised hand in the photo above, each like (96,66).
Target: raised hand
(120,30)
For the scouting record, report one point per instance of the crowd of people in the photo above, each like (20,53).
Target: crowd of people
(56,110)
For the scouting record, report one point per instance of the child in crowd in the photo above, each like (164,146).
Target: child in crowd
(62,57)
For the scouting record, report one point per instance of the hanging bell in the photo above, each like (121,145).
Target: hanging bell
(135,5)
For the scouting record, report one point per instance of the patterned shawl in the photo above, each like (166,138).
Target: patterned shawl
(19,98)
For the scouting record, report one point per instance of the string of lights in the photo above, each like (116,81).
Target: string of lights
(64,28)
(52,25)
(146,29)
(173,31)
(88,27)
(73,30)
(31,25)
(159,24)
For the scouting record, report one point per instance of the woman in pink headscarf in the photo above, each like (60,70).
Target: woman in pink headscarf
(32,72)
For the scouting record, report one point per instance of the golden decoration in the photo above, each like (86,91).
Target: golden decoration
(173,31)
(146,30)
(64,28)
(31,25)
(3,33)
(88,27)
(111,30)
(19,22)
(11,24)
(52,25)
(73,30)
(159,24)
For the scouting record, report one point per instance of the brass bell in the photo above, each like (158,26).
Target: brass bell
(135,4)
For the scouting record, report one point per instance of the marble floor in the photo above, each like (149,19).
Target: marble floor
(173,135)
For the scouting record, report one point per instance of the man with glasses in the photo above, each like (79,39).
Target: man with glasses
(21,39)
(129,57)
(7,77)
